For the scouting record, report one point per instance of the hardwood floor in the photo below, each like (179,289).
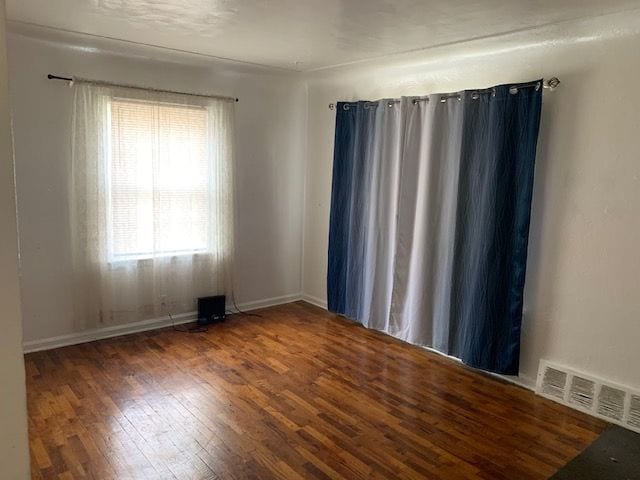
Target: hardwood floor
(297,393)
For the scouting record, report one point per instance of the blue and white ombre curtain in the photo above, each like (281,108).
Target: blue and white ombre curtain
(430,208)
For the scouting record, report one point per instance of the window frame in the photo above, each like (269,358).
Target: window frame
(115,259)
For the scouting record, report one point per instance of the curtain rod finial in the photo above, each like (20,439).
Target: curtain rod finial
(552,83)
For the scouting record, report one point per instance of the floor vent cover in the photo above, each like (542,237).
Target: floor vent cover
(614,403)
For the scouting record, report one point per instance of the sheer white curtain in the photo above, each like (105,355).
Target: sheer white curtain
(151,202)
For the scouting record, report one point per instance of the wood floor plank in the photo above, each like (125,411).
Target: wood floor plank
(294,393)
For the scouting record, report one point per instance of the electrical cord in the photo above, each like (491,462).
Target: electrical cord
(203,328)
(247,314)
(235,305)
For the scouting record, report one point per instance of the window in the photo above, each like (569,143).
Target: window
(151,201)
(159,180)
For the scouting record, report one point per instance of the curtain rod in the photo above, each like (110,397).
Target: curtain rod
(136,87)
(550,84)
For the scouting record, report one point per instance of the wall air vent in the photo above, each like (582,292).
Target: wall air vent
(611,403)
(554,382)
(582,392)
(607,400)
(634,412)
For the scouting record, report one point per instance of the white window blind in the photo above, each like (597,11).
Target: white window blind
(159,180)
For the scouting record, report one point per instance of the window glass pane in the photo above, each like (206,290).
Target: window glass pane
(159,179)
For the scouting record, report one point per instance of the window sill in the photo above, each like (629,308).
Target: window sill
(145,258)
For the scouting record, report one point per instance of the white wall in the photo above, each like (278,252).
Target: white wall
(14,449)
(582,298)
(269,163)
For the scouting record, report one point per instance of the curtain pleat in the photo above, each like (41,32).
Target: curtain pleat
(381,224)
(426,221)
(494,205)
(429,219)
(358,209)
(340,217)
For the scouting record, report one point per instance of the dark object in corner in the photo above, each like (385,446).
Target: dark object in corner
(613,455)
(211,309)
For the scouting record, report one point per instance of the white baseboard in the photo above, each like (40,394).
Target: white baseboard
(106,332)
(523,382)
(318,302)
(267,302)
(144,325)
(514,380)
(155,323)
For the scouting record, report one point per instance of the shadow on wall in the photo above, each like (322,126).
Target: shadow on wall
(553,179)
(257,187)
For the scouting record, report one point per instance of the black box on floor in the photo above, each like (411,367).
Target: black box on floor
(211,309)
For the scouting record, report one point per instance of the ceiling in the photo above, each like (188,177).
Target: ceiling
(302,34)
